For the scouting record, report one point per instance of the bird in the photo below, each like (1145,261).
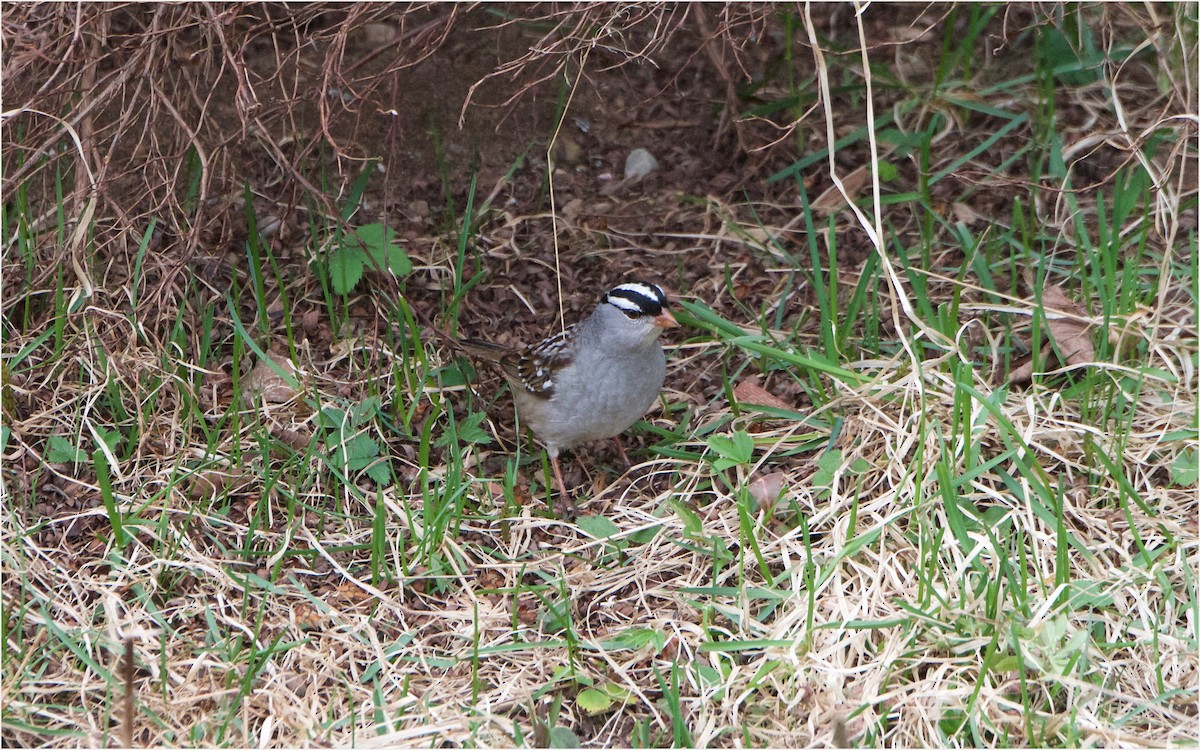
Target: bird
(592,380)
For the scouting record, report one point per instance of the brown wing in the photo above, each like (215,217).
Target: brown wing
(537,366)
(485,350)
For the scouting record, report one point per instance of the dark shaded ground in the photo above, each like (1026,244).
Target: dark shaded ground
(319,93)
(294,104)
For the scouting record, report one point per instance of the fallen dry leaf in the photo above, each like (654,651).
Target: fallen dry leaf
(748,391)
(832,200)
(307,616)
(964,213)
(1070,334)
(765,489)
(297,440)
(208,484)
(350,593)
(264,381)
(1022,374)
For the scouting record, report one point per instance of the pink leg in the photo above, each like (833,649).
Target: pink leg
(566,504)
(621,450)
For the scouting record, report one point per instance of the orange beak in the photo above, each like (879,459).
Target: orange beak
(666,320)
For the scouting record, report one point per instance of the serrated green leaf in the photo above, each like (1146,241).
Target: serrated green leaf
(721,464)
(332,417)
(397,261)
(373,237)
(737,448)
(380,472)
(362,446)
(470,430)
(466,430)
(356,453)
(1185,469)
(1007,664)
(635,638)
(345,268)
(827,465)
(830,460)
(110,437)
(597,527)
(60,451)
(593,701)
(721,444)
(452,375)
(561,737)
(379,243)
(365,410)
(644,536)
(692,525)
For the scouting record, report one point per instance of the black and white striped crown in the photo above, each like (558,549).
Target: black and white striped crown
(637,299)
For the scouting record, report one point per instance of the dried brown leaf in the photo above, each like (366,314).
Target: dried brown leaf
(832,200)
(1070,333)
(1022,374)
(1065,328)
(748,391)
(297,440)
(766,489)
(265,382)
(208,484)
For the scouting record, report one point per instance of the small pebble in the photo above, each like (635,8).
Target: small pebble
(639,163)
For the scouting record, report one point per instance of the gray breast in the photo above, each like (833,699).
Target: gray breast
(605,400)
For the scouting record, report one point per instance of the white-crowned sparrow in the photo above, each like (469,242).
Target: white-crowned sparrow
(593,380)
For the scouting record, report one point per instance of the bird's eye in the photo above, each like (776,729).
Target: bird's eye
(631,314)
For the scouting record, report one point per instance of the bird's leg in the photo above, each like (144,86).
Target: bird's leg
(566,503)
(621,450)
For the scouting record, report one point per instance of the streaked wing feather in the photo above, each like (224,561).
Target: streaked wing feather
(537,365)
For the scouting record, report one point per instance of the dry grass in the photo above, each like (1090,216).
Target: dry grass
(955,559)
